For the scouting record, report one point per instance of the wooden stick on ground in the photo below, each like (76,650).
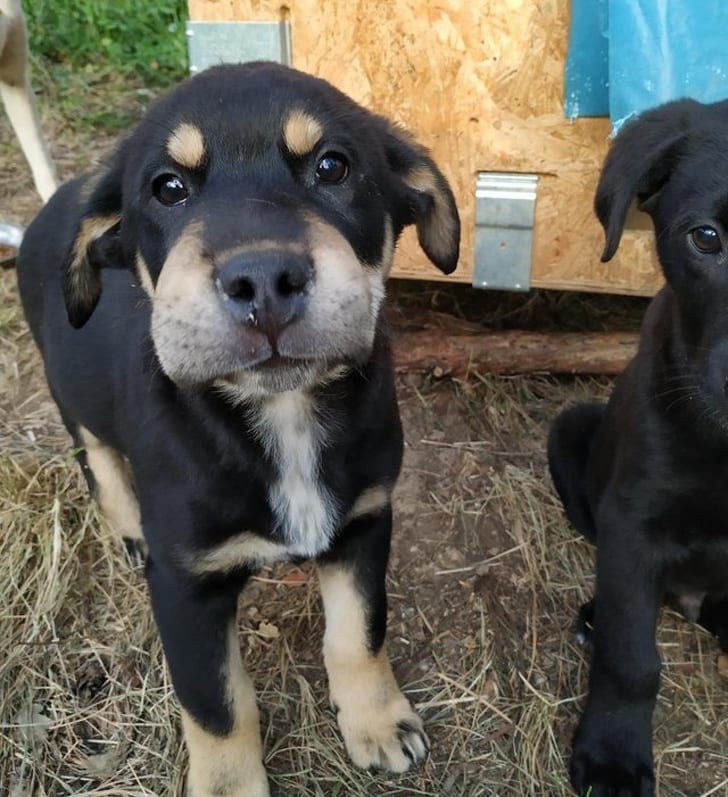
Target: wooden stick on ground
(446,346)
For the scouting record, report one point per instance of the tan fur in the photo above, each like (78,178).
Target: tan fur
(19,99)
(385,264)
(84,283)
(13,44)
(362,685)
(195,336)
(301,133)
(187,313)
(197,339)
(231,765)
(248,549)
(437,234)
(245,549)
(421,179)
(370,502)
(185,269)
(347,296)
(145,278)
(115,492)
(186,146)
(245,386)
(92,227)
(261,245)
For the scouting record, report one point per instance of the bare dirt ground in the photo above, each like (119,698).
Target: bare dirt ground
(485,580)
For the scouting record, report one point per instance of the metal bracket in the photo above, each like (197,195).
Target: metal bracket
(504,212)
(211,43)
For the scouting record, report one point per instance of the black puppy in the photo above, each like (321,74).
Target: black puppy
(645,476)
(230,380)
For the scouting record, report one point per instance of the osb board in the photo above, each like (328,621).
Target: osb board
(481,85)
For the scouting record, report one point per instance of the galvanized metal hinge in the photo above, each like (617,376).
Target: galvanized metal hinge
(504,214)
(211,43)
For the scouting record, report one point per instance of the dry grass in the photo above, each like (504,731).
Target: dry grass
(485,581)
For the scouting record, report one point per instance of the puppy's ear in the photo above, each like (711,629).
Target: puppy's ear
(425,200)
(96,245)
(639,164)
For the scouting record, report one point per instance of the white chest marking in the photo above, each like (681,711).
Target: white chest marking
(292,436)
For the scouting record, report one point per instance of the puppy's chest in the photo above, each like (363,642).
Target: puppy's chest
(702,569)
(696,515)
(304,510)
(695,530)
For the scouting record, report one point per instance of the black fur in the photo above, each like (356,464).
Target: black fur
(645,475)
(201,472)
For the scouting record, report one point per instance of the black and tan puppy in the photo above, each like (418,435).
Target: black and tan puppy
(208,307)
(645,476)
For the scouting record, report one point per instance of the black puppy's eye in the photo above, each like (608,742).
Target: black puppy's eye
(706,240)
(332,168)
(169,189)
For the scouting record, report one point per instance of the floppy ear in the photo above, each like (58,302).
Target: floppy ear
(96,244)
(426,199)
(639,164)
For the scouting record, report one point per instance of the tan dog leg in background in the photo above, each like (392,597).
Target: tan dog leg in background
(18,98)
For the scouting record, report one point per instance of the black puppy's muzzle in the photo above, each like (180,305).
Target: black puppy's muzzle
(267,290)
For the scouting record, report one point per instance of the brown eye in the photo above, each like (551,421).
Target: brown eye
(332,169)
(706,240)
(169,189)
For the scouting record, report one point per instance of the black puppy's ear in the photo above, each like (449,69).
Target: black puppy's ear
(639,164)
(96,245)
(426,199)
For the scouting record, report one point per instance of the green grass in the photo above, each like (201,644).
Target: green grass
(91,57)
(145,40)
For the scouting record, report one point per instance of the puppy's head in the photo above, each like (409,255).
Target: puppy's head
(674,161)
(260,208)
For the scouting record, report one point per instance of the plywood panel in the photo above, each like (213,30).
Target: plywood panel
(481,85)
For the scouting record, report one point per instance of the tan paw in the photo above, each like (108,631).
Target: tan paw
(389,737)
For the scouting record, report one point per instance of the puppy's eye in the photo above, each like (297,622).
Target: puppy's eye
(332,169)
(169,189)
(706,240)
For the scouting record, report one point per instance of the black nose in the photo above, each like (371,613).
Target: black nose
(268,289)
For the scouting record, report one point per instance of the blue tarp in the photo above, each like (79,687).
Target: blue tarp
(628,55)
(586,75)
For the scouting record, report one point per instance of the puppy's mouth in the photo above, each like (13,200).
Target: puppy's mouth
(296,347)
(278,374)
(202,339)
(277,362)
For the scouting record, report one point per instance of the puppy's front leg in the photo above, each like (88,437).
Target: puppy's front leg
(379,727)
(612,749)
(219,712)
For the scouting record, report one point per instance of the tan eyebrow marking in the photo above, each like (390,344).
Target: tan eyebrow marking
(301,132)
(187,146)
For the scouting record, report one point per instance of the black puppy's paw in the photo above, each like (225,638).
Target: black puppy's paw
(714,618)
(610,780)
(136,552)
(612,764)
(584,625)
